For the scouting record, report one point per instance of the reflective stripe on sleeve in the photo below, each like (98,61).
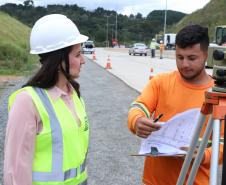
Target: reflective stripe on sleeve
(141,107)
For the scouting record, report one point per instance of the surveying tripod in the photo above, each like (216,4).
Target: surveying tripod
(215,105)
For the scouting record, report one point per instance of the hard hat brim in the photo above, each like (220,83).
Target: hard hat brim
(79,39)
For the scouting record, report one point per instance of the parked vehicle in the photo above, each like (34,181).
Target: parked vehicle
(88,47)
(138,48)
(169,40)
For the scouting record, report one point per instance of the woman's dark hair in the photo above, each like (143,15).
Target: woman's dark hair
(47,76)
(191,35)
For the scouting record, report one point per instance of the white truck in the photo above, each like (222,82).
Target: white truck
(169,40)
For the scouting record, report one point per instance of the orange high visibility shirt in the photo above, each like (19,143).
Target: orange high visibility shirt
(169,94)
(161,47)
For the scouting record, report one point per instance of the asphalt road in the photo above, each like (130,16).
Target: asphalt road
(111,144)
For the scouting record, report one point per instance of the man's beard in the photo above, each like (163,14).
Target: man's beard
(195,75)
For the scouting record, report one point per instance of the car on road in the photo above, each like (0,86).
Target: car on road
(88,47)
(138,48)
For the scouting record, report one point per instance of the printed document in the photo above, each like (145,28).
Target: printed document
(175,133)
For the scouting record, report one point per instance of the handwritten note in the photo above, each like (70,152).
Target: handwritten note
(175,133)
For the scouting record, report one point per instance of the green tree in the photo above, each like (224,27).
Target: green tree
(28,3)
(139,16)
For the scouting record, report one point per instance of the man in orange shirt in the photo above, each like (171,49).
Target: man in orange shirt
(170,94)
(161,48)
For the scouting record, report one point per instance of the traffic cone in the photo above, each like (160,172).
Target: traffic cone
(151,73)
(108,64)
(94,56)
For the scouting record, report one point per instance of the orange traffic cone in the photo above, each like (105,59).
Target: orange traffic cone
(94,56)
(151,73)
(108,64)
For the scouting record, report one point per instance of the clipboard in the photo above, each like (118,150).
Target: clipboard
(174,134)
(155,153)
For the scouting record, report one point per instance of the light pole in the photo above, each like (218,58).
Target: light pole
(107,44)
(165,23)
(116,26)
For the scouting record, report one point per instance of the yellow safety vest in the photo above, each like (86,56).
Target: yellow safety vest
(61,146)
(153,45)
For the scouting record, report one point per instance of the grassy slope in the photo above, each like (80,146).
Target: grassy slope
(213,14)
(14,46)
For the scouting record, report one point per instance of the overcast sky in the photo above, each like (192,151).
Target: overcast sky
(126,7)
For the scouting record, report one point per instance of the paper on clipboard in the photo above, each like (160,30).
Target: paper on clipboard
(175,133)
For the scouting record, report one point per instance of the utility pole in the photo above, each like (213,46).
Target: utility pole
(112,33)
(116,27)
(165,23)
(107,44)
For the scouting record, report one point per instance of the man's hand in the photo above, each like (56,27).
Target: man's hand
(144,127)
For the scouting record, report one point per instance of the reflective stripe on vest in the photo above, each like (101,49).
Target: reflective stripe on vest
(56,175)
(141,107)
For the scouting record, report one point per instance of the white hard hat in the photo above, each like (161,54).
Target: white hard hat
(53,32)
(161,41)
(153,39)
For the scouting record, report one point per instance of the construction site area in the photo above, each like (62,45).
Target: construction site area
(118,75)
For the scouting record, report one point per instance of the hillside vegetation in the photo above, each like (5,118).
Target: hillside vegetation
(213,14)
(14,47)
(99,24)
(14,35)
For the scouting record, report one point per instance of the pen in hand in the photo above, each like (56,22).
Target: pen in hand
(159,116)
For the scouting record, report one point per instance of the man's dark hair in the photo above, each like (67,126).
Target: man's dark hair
(191,35)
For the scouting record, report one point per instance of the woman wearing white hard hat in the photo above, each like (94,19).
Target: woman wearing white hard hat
(48,131)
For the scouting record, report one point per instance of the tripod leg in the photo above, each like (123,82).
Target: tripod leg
(224,156)
(192,147)
(201,151)
(215,152)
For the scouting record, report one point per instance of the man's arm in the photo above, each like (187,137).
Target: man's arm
(139,119)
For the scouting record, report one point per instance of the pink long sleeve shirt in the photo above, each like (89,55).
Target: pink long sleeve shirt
(23,124)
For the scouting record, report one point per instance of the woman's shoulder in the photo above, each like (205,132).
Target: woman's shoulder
(21,98)
(21,94)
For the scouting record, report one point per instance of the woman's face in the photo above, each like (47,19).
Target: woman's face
(76,60)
